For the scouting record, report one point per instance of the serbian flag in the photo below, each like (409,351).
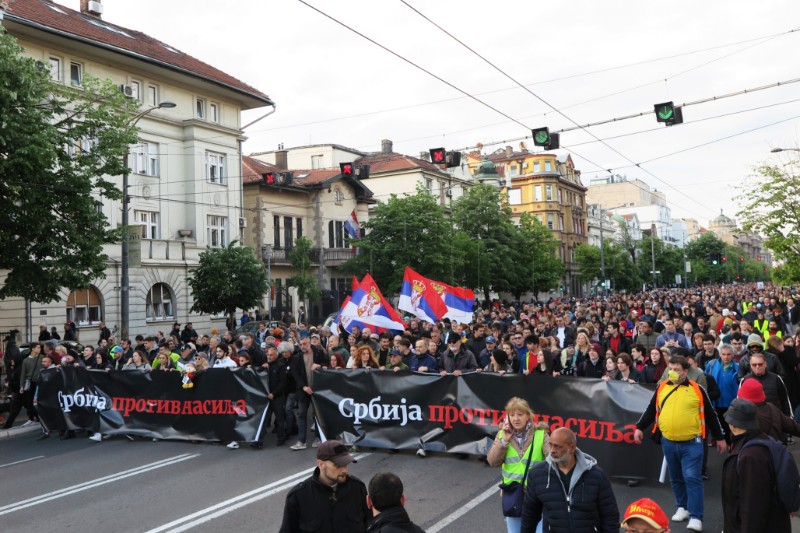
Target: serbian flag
(433,300)
(367,307)
(352,227)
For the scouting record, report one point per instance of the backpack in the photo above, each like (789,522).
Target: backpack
(787,478)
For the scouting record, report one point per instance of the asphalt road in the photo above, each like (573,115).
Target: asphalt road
(146,486)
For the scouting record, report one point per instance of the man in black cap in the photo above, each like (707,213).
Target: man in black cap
(395,362)
(330,501)
(749,502)
(387,501)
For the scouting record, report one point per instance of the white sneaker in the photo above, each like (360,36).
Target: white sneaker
(680,515)
(233,445)
(298,446)
(28,423)
(421,453)
(695,524)
(316,443)
(97,437)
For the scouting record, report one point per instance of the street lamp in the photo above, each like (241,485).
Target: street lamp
(776,150)
(125,282)
(266,250)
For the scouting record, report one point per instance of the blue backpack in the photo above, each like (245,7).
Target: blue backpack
(787,478)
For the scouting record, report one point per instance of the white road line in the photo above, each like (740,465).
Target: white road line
(222,508)
(449,519)
(23,461)
(94,483)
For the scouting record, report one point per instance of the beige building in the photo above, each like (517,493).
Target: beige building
(726,230)
(616,191)
(549,187)
(185,185)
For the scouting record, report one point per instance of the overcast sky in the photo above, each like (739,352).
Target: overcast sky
(591,61)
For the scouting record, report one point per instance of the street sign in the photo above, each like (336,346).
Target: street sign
(134,246)
(688,267)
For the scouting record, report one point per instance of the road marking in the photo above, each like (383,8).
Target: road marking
(36,500)
(222,508)
(23,461)
(449,519)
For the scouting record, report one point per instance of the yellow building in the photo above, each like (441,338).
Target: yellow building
(549,187)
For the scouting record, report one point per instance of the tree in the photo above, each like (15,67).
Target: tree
(56,145)
(227,279)
(304,281)
(699,252)
(771,207)
(406,231)
(668,260)
(619,267)
(539,245)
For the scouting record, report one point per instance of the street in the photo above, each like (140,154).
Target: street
(146,486)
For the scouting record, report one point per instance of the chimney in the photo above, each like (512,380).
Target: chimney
(386,146)
(93,8)
(281,157)
(509,151)
(425,156)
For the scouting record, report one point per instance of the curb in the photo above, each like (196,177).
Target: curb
(13,432)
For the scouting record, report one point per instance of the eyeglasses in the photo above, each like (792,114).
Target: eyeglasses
(757,364)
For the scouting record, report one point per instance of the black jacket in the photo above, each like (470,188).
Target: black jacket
(296,377)
(586,505)
(393,520)
(277,377)
(312,506)
(588,370)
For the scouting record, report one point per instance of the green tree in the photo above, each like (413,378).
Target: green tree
(619,266)
(304,281)
(406,231)
(227,279)
(771,207)
(538,247)
(668,259)
(57,144)
(699,253)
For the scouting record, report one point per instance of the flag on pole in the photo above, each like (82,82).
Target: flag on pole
(352,227)
(432,301)
(367,307)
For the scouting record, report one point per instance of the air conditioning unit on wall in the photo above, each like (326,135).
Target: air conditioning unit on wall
(242,222)
(127,90)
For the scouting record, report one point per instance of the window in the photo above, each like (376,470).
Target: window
(276,235)
(561,222)
(429,185)
(200,109)
(548,166)
(76,74)
(558,192)
(548,192)
(514,196)
(288,236)
(136,89)
(514,170)
(550,221)
(152,95)
(538,193)
(316,162)
(215,167)
(537,166)
(213,112)
(145,159)
(149,222)
(55,69)
(338,197)
(299,224)
(159,303)
(84,307)
(337,237)
(217,231)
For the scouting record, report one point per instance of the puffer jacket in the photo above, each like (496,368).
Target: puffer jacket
(393,520)
(313,507)
(587,505)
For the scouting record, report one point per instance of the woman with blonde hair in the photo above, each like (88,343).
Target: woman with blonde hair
(519,443)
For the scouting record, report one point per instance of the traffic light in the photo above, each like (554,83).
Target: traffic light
(741,259)
(284,178)
(542,137)
(758,258)
(453,159)
(724,259)
(438,156)
(668,113)
(346,169)
(362,172)
(716,258)
(268,178)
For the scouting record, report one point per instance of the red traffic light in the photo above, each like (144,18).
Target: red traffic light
(268,178)
(741,259)
(724,258)
(758,258)
(346,169)
(438,156)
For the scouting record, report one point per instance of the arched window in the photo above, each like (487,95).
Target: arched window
(159,303)
(84,307)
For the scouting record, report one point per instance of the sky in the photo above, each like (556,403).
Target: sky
(555,64)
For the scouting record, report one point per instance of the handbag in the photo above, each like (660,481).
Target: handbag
(514,493)
(657,435)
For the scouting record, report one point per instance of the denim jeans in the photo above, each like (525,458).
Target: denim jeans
(514,524)
(301,401)
(685,461)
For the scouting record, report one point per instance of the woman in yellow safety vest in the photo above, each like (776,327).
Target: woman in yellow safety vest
(519,442)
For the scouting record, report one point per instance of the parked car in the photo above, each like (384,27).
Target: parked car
(25,349)
(255,325)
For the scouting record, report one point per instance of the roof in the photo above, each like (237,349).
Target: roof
(253,169)
(57,19)
(382,162)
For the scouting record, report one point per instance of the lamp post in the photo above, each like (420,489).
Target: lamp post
(266,250)
(776,150)
(125,282)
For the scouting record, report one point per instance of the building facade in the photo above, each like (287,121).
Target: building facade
(185,184)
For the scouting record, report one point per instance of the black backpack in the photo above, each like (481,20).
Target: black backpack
(787,478)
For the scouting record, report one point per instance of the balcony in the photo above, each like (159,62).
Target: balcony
(282,256)
(337,256)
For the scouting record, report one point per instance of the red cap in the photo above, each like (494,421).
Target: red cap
(647,510)
(752,389)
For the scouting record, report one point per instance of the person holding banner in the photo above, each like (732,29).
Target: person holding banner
(518,445)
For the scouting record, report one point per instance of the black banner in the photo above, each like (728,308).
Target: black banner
(408,411)
(223,405)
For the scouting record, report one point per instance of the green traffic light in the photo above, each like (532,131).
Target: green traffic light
(541,137)
(666,112)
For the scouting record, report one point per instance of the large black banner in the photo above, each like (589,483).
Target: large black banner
(223,405)
(461,414)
